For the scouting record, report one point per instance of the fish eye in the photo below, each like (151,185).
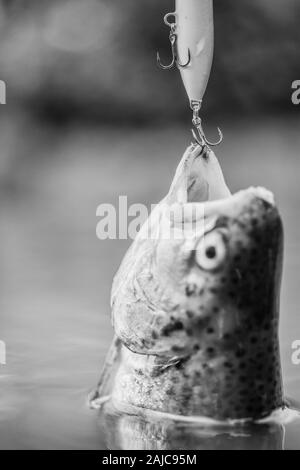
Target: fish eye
(211,251)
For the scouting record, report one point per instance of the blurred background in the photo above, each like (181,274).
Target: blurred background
(89,117)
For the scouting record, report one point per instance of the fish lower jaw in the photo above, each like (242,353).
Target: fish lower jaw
(199,179)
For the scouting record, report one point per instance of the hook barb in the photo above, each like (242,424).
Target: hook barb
(202,140)
(183,66)
(162,66)
(175,60)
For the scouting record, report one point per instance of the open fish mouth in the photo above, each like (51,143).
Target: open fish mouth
(199,178)
(199,196)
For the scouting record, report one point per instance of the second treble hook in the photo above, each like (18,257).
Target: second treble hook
(173,41)
(197,121)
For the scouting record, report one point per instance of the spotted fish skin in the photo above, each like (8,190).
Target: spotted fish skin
(198,317)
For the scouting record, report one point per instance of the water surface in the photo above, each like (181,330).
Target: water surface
(55,276)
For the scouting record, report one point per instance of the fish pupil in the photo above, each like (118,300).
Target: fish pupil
(211,252)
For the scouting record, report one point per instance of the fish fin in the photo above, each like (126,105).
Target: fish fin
(173,361)
(101,395)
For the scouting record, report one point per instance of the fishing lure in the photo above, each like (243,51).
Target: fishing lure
(192,34)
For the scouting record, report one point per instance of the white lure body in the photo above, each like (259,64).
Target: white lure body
(195,32)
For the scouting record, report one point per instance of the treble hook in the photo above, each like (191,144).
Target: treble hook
(173,41)
(197,121)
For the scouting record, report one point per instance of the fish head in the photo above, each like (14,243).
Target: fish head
(220,265)
(197,307)
(213,271)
